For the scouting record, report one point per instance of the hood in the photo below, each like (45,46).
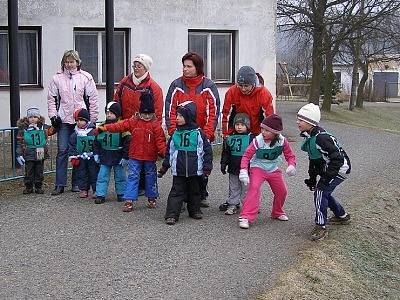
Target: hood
(24,123)
(188,111)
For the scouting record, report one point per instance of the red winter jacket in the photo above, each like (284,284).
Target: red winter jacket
(204,93)
(147,138)
(128,94)
(259,100)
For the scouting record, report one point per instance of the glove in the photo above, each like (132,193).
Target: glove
(74,161)
(124,162)
(223,169)
(244,176)
(161,172)
(86,155)
(101,128)
(322,184)
(21,160)
(291,170)
(206,173)
(32,127)
(96,158)
(310,182)
(55,121)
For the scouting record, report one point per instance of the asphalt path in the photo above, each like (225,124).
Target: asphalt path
(67,248)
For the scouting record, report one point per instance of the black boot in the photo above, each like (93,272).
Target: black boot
(28,190)
(39,189)
(57,191)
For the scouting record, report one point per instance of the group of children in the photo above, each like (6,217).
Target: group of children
(138,142)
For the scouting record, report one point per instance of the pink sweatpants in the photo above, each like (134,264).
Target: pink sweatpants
(251,202)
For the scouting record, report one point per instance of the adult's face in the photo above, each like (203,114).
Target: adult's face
(246,89)
(189,70)
(70,63)
(138,69)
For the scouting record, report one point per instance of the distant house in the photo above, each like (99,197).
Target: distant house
(228,34)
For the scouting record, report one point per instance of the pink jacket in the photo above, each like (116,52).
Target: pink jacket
(70,87)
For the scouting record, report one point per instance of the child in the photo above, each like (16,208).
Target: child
(190,157)
(232,152)
(81,146)
(111,151)
(264,155)
(32,148)
(147,142)
(328,160)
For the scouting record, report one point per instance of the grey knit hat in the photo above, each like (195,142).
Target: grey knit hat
(246,75)
(33,112)
(242,118)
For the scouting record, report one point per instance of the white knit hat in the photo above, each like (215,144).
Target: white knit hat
(310,113)
(144,59)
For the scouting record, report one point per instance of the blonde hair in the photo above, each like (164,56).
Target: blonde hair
(71,53)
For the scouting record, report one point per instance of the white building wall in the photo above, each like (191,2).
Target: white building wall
(158,28)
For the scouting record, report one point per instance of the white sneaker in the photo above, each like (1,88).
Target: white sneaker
(244,223)
(283,218)
(231,210)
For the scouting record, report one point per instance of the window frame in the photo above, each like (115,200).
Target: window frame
(39,66)
(209,33)
(99,31)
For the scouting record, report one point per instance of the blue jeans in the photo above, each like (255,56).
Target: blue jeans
(103,179)
(324,199)
(132,184)
(63,135)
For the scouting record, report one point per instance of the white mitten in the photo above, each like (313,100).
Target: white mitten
(96,158)
(244,176)
(291,170)
(21,160)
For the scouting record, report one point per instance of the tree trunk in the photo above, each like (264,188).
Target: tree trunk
(361,86)
(317,67)
(329,76)
(354,84)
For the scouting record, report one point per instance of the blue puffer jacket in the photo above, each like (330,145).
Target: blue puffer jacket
(188,151)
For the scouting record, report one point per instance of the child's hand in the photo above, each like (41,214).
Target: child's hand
(223,169)
(291,170)
(206,173)
(244,176)
(74,161)
(96,158)
(101,128)
(310,183)
(161,172)
(21,160)
(322,184)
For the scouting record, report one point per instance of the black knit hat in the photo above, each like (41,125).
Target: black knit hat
(146,103)
(188,111)
(114,107)
(272,123)
(81,114)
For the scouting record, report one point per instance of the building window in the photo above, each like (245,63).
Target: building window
(91,45)
(216,48)
(28,56)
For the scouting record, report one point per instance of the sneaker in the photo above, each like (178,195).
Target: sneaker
(58,190)
(75,189)
(151,203)
(27,191)
(196,216)
(318,233)
(100,200)
(39,191)
(339,221)
(170,221)
(83,194)
(283,218)
(231,210)
(205,203)
(128,206)
(120,198)
(244,223)
(224,206)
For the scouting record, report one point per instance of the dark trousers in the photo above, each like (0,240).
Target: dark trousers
(34,174)
(183,189)
(203,182)
(86,174)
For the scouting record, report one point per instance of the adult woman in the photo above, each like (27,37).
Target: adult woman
(70,89)
(194,86)
(246,96)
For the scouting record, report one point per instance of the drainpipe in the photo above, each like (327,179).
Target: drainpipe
(109,50)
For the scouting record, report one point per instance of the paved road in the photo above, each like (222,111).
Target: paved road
(67,248)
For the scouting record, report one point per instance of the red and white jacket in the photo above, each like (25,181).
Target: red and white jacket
(69,87)
(204,93)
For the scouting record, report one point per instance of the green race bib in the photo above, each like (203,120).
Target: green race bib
(269,154)
(35,138)
(84,143)
(238,144)
(185,140)
(108,140)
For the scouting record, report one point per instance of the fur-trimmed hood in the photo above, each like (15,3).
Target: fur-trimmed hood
(24,122)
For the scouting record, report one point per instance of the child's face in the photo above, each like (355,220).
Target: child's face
(110,116)
(180,120)
(33,120)
(304,126)
(240,127)
(267,135)
(146,116)
(81,123)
